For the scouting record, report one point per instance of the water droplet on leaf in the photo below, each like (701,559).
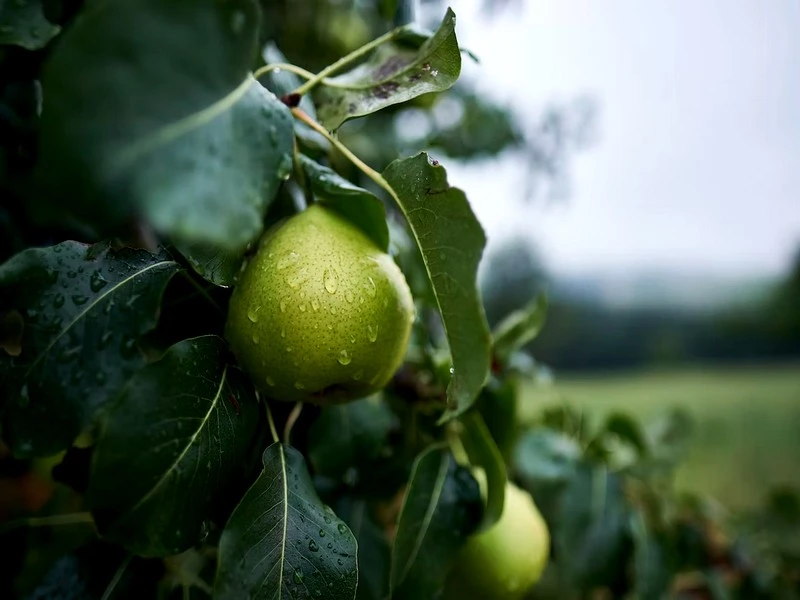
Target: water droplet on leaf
(312,545)
(342,528)
(79,299)
(58,300)
(97,282)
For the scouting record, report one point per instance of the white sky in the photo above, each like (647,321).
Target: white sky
(697,163)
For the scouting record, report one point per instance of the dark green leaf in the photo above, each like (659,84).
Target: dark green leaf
(591,538)
(184,137)
(22,23)
(396,72)
(174,441)
(544,455)
(218,265)
(451,241)
(283,82)
(483,452)
(374,552)
(627,430)
(519,328)
(281,542)
(84,309)
(652,563)
(442,507)
(357,205)
(349,435)
(497,404)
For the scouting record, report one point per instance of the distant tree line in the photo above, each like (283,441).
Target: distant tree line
(586,335)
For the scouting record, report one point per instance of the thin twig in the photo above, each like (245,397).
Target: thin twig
(283,67)
(50,521)
(117,576)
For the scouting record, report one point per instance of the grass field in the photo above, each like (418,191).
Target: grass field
(747,435)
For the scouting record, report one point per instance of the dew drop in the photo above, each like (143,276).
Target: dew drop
(294,280)
(372,332)
(361,299)
(283,305)
(288,348)
(108,307)
(255,339)
(452,370)
(385,302)
(288,260)
(315,305)
(349,296)
(283,332)
(58,300)
(299,385)
(330,545)
(298,576)
(358,375)
(97,282)
(72,274)
(270,382)
(327,520)
(330,281)
(303,307)
(252,313)
(312,545)
(333,310)
(321,533)
(370,287)
(69,354)
(344,358)
(342,528)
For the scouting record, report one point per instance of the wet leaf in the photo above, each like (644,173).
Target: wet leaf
(175,440)
(396,72)
(84,309)
(282,541)
(357,205)
(349,435)
(442,507)
(484,453)
(451,241)
(184,138)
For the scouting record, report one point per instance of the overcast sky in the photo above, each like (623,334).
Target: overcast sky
(697,164)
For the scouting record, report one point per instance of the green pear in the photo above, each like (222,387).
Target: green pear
(506,560)
(320,313)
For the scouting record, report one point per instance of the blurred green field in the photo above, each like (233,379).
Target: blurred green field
(747,435)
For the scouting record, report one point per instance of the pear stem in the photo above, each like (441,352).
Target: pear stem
(272,428)
(293,416)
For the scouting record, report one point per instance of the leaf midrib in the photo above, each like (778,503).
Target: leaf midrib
(89,307)
(191,442)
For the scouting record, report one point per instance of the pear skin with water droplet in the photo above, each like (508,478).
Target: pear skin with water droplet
(318,259)
(505,561)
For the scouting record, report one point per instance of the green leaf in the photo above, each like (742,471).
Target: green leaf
(519,328)
(544,455)
(374,552)
(282,82)
(627,430)
(357,205)
(396,72)
(483,452)
(451,242)
(84,309)
(183,136)
(591,537)
(24,24)
(349,435)
(670,436)
(442,507)
(497,404)
(174,441)
(652,561)
(282,542)
(218,265)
